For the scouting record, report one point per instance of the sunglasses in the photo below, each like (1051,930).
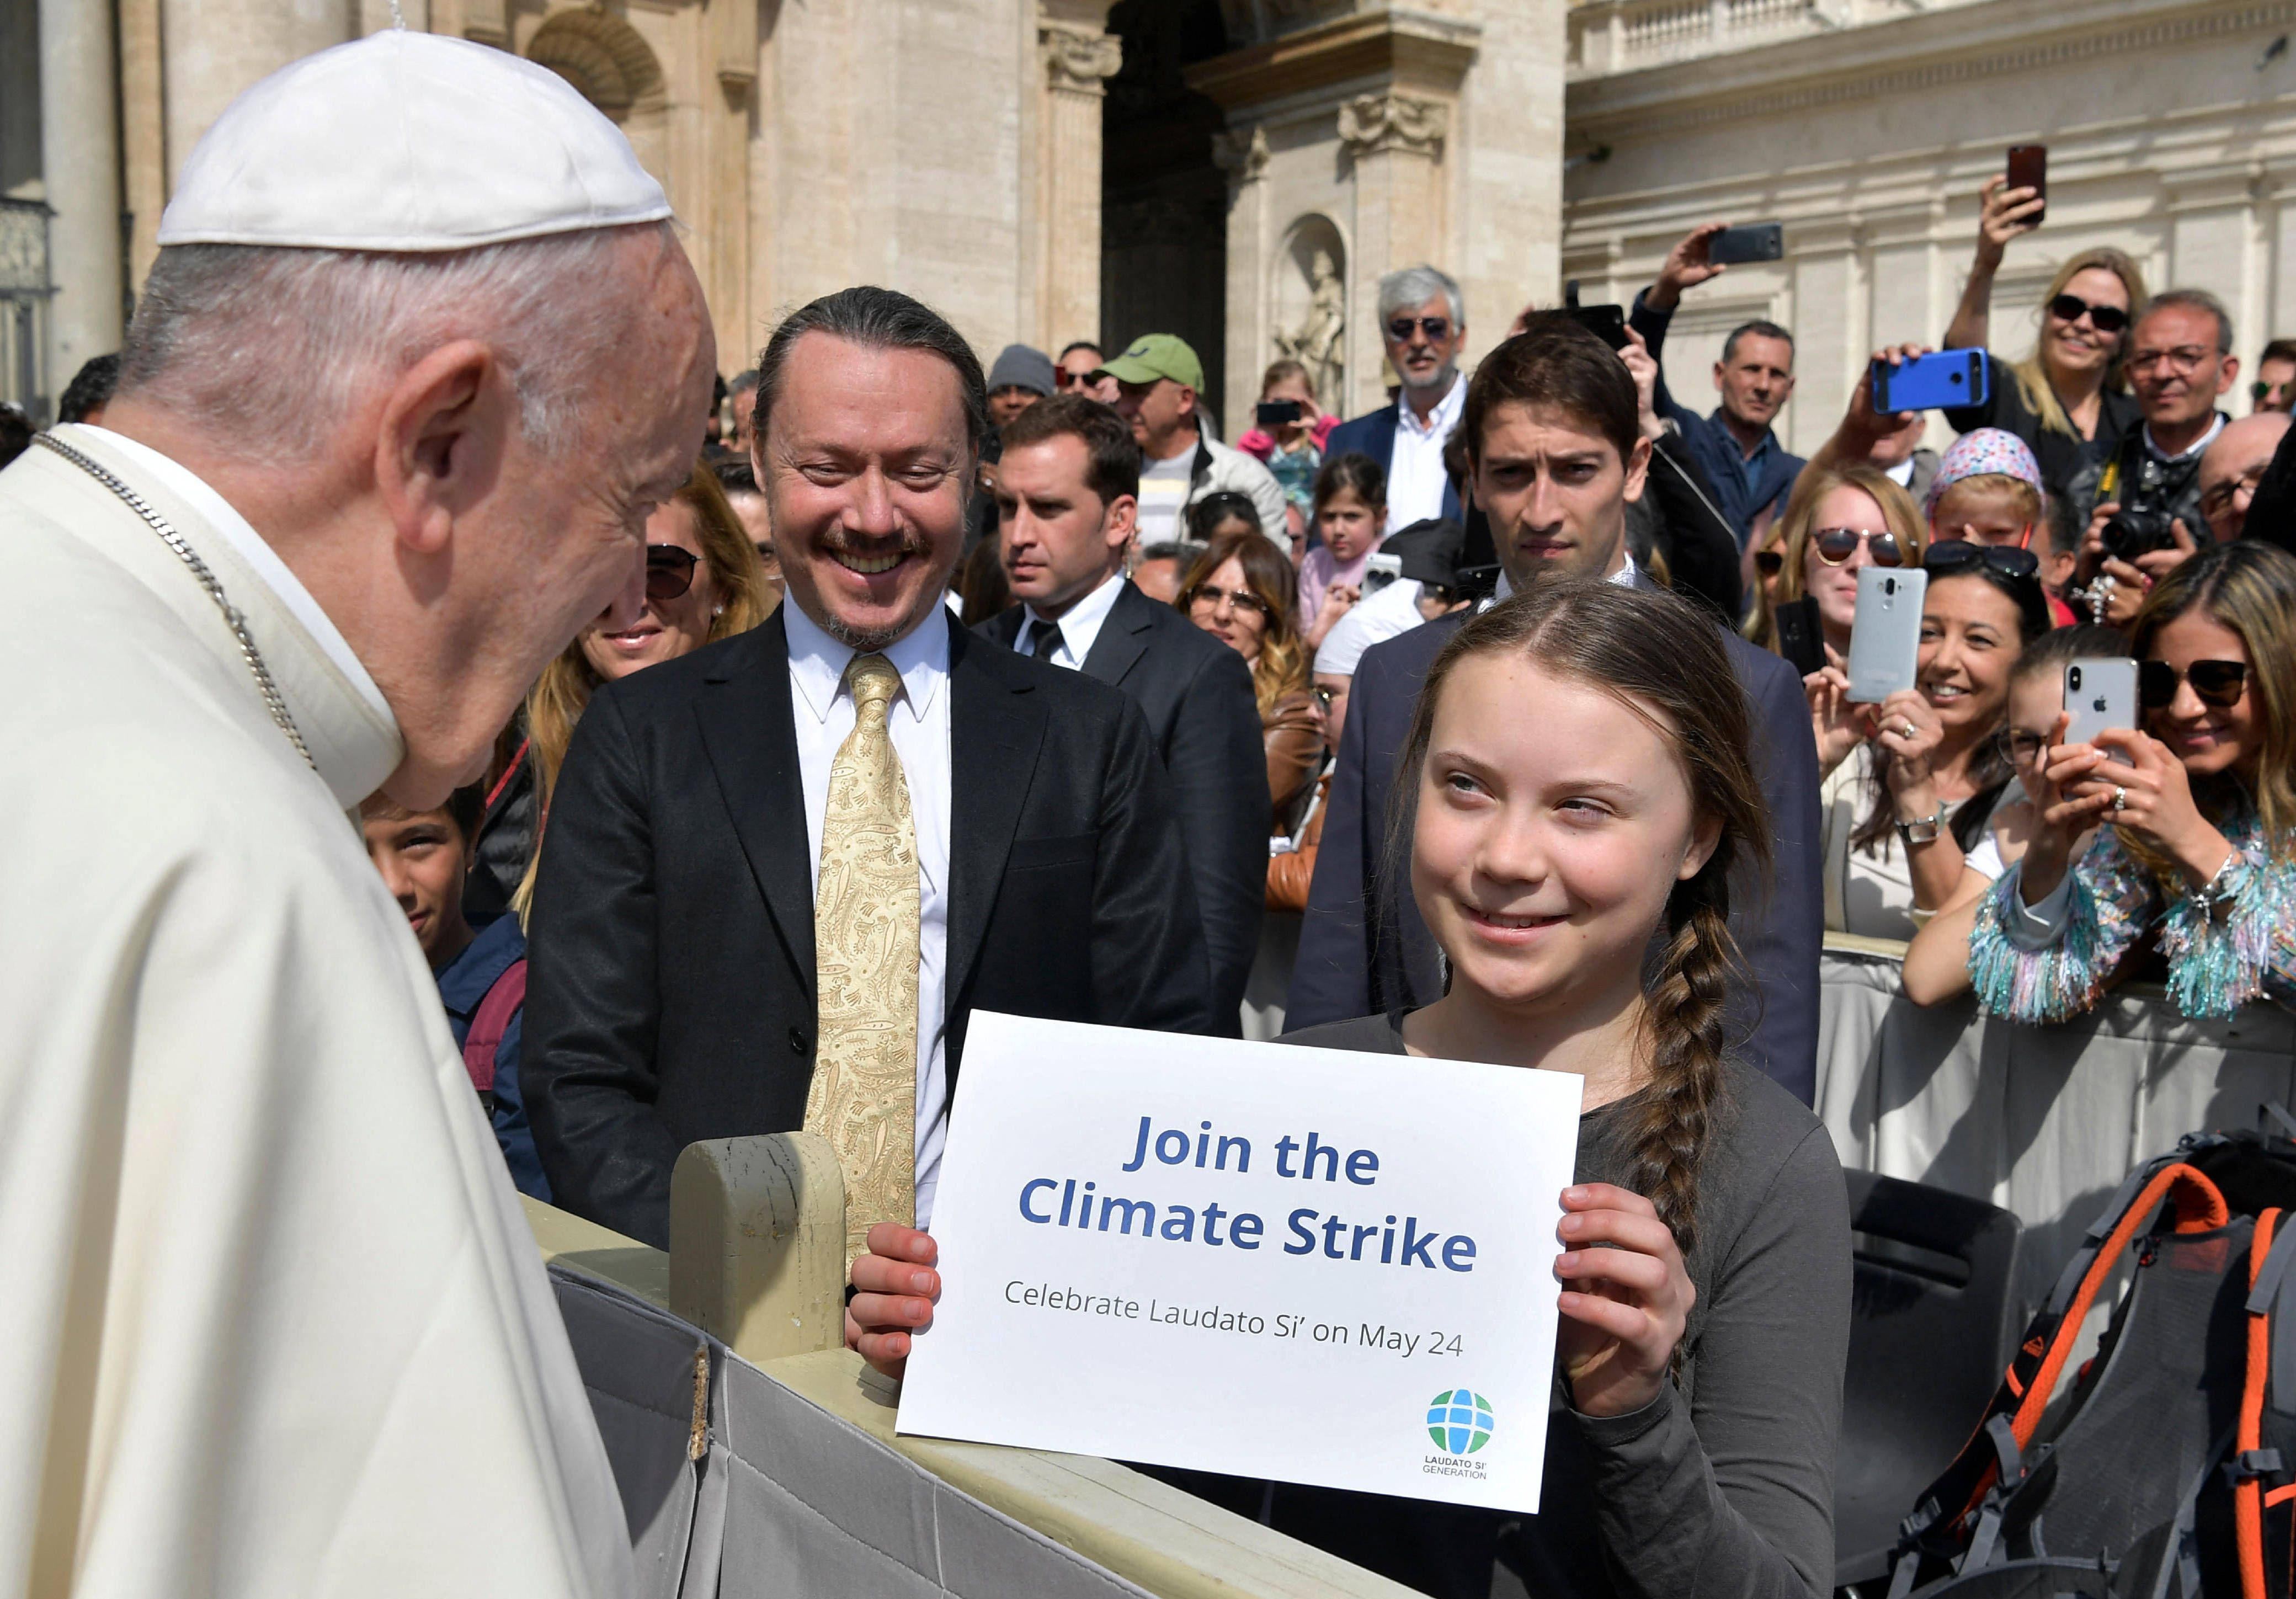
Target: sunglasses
(669,572)
(1769,562)
(2218,684)
(1436,328)
(1837,545)
(2072,307)
(1958,555)
(1241,599)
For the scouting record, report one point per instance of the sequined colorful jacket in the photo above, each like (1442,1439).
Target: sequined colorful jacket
(2227,944)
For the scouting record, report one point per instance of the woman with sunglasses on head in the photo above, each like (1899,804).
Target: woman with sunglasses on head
(1909,783)
(702,584)
(2068,400)
(2195,816)
(1239,591)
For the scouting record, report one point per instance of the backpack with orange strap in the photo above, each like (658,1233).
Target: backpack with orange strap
(2171,1469)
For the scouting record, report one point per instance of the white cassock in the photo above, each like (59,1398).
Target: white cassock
(271,1322)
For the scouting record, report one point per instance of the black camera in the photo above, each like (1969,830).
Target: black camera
(2137,531)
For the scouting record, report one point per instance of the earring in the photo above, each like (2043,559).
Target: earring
(716,610)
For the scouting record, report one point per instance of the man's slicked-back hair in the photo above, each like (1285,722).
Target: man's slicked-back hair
(2193,299)
(1112,457)
(1760,329)
(1552,362)
(876,319)
(1414,287)
(266,346)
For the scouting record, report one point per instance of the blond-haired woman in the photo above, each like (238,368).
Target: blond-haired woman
(702,584)
(2068,398)
(1839,519)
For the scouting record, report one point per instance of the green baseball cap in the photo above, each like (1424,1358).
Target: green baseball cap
(1154,356)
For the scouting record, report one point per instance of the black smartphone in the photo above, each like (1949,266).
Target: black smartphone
(1800,638)
(1606,323)
(1275,413)
(2029,168)
(1755,242)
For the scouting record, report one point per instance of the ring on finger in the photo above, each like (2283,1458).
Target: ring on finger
(2119,799)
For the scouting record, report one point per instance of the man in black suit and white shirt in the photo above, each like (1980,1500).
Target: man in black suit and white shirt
(778,873)
(1068,486)
(1554,453)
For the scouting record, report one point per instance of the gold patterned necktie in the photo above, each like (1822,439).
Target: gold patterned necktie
(866,911)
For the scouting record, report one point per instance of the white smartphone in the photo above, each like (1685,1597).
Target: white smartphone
(2101,693)
(1885,641)
(1380,570)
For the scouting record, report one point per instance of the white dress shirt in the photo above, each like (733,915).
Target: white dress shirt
(1078,630)
(188,486)
(1416,477)
(822,707)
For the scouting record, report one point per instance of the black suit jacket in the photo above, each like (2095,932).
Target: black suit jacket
(670,997)
(1205,720)
(1363,952)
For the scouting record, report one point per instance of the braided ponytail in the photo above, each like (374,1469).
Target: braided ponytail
(1686,1051)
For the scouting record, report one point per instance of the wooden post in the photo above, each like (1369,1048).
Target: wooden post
(757,1243)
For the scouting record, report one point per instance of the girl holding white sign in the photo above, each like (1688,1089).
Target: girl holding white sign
(1575,867)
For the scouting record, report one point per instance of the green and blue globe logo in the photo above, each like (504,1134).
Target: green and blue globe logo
(1459,1421)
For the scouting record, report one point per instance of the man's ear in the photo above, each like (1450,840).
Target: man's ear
(1718,370)
(1122,521)
(1637,469)
(2231,371)
(440,442)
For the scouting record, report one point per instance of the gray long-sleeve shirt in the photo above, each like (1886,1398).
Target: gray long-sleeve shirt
(1724,1484)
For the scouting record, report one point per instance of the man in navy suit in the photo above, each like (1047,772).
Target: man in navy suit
(1423,322)
(1554,455)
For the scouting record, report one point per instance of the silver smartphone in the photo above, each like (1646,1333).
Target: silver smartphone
(1885,642)
(2101,693)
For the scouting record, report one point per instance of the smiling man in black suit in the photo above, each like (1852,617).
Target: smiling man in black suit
(1068,489)
(781,872)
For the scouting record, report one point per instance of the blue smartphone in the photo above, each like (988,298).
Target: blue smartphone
(1943,378)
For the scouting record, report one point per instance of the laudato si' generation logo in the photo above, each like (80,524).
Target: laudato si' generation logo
(1459,1421)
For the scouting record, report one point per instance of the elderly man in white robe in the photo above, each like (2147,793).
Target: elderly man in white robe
(419,355)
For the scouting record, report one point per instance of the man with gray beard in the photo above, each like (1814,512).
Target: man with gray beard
(780,872)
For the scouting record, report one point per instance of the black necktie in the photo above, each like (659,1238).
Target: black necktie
(1045,640)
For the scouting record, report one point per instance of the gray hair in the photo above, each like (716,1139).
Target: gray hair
(742,381)
(1414,287)
(267,345)
(876,319)
(2193,299)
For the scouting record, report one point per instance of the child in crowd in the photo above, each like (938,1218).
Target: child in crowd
(1351,517)
(1988,490)
(1705,1244)
(1937,961)
(423,857)
(2194,815)
(1292,450)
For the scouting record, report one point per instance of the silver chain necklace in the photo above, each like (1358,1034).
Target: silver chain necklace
(273,699)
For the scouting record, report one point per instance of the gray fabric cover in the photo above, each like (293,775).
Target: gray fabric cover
(787,1499)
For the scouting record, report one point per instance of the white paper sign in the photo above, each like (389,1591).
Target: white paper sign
(1311,1265)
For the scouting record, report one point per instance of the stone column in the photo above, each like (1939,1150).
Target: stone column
(1242,152)
(214,48)
(79,139)
(1077,60)
(1394,145)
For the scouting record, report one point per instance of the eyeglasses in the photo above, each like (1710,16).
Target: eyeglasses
(1241,600)
(2185,359)
(2218,683)
(1769,562)
(669,572)
(2072,307)
(2019,748)
(2220,495)
(1957,555)
(1837,545)
(2260,390)
(1436,328)
(1065,379)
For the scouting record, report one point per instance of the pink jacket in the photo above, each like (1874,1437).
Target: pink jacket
(1259,444)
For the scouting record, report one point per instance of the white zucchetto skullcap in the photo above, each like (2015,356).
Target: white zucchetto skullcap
(407,141)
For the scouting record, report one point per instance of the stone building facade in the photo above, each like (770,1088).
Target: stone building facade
(1241,172)
(1865,127)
